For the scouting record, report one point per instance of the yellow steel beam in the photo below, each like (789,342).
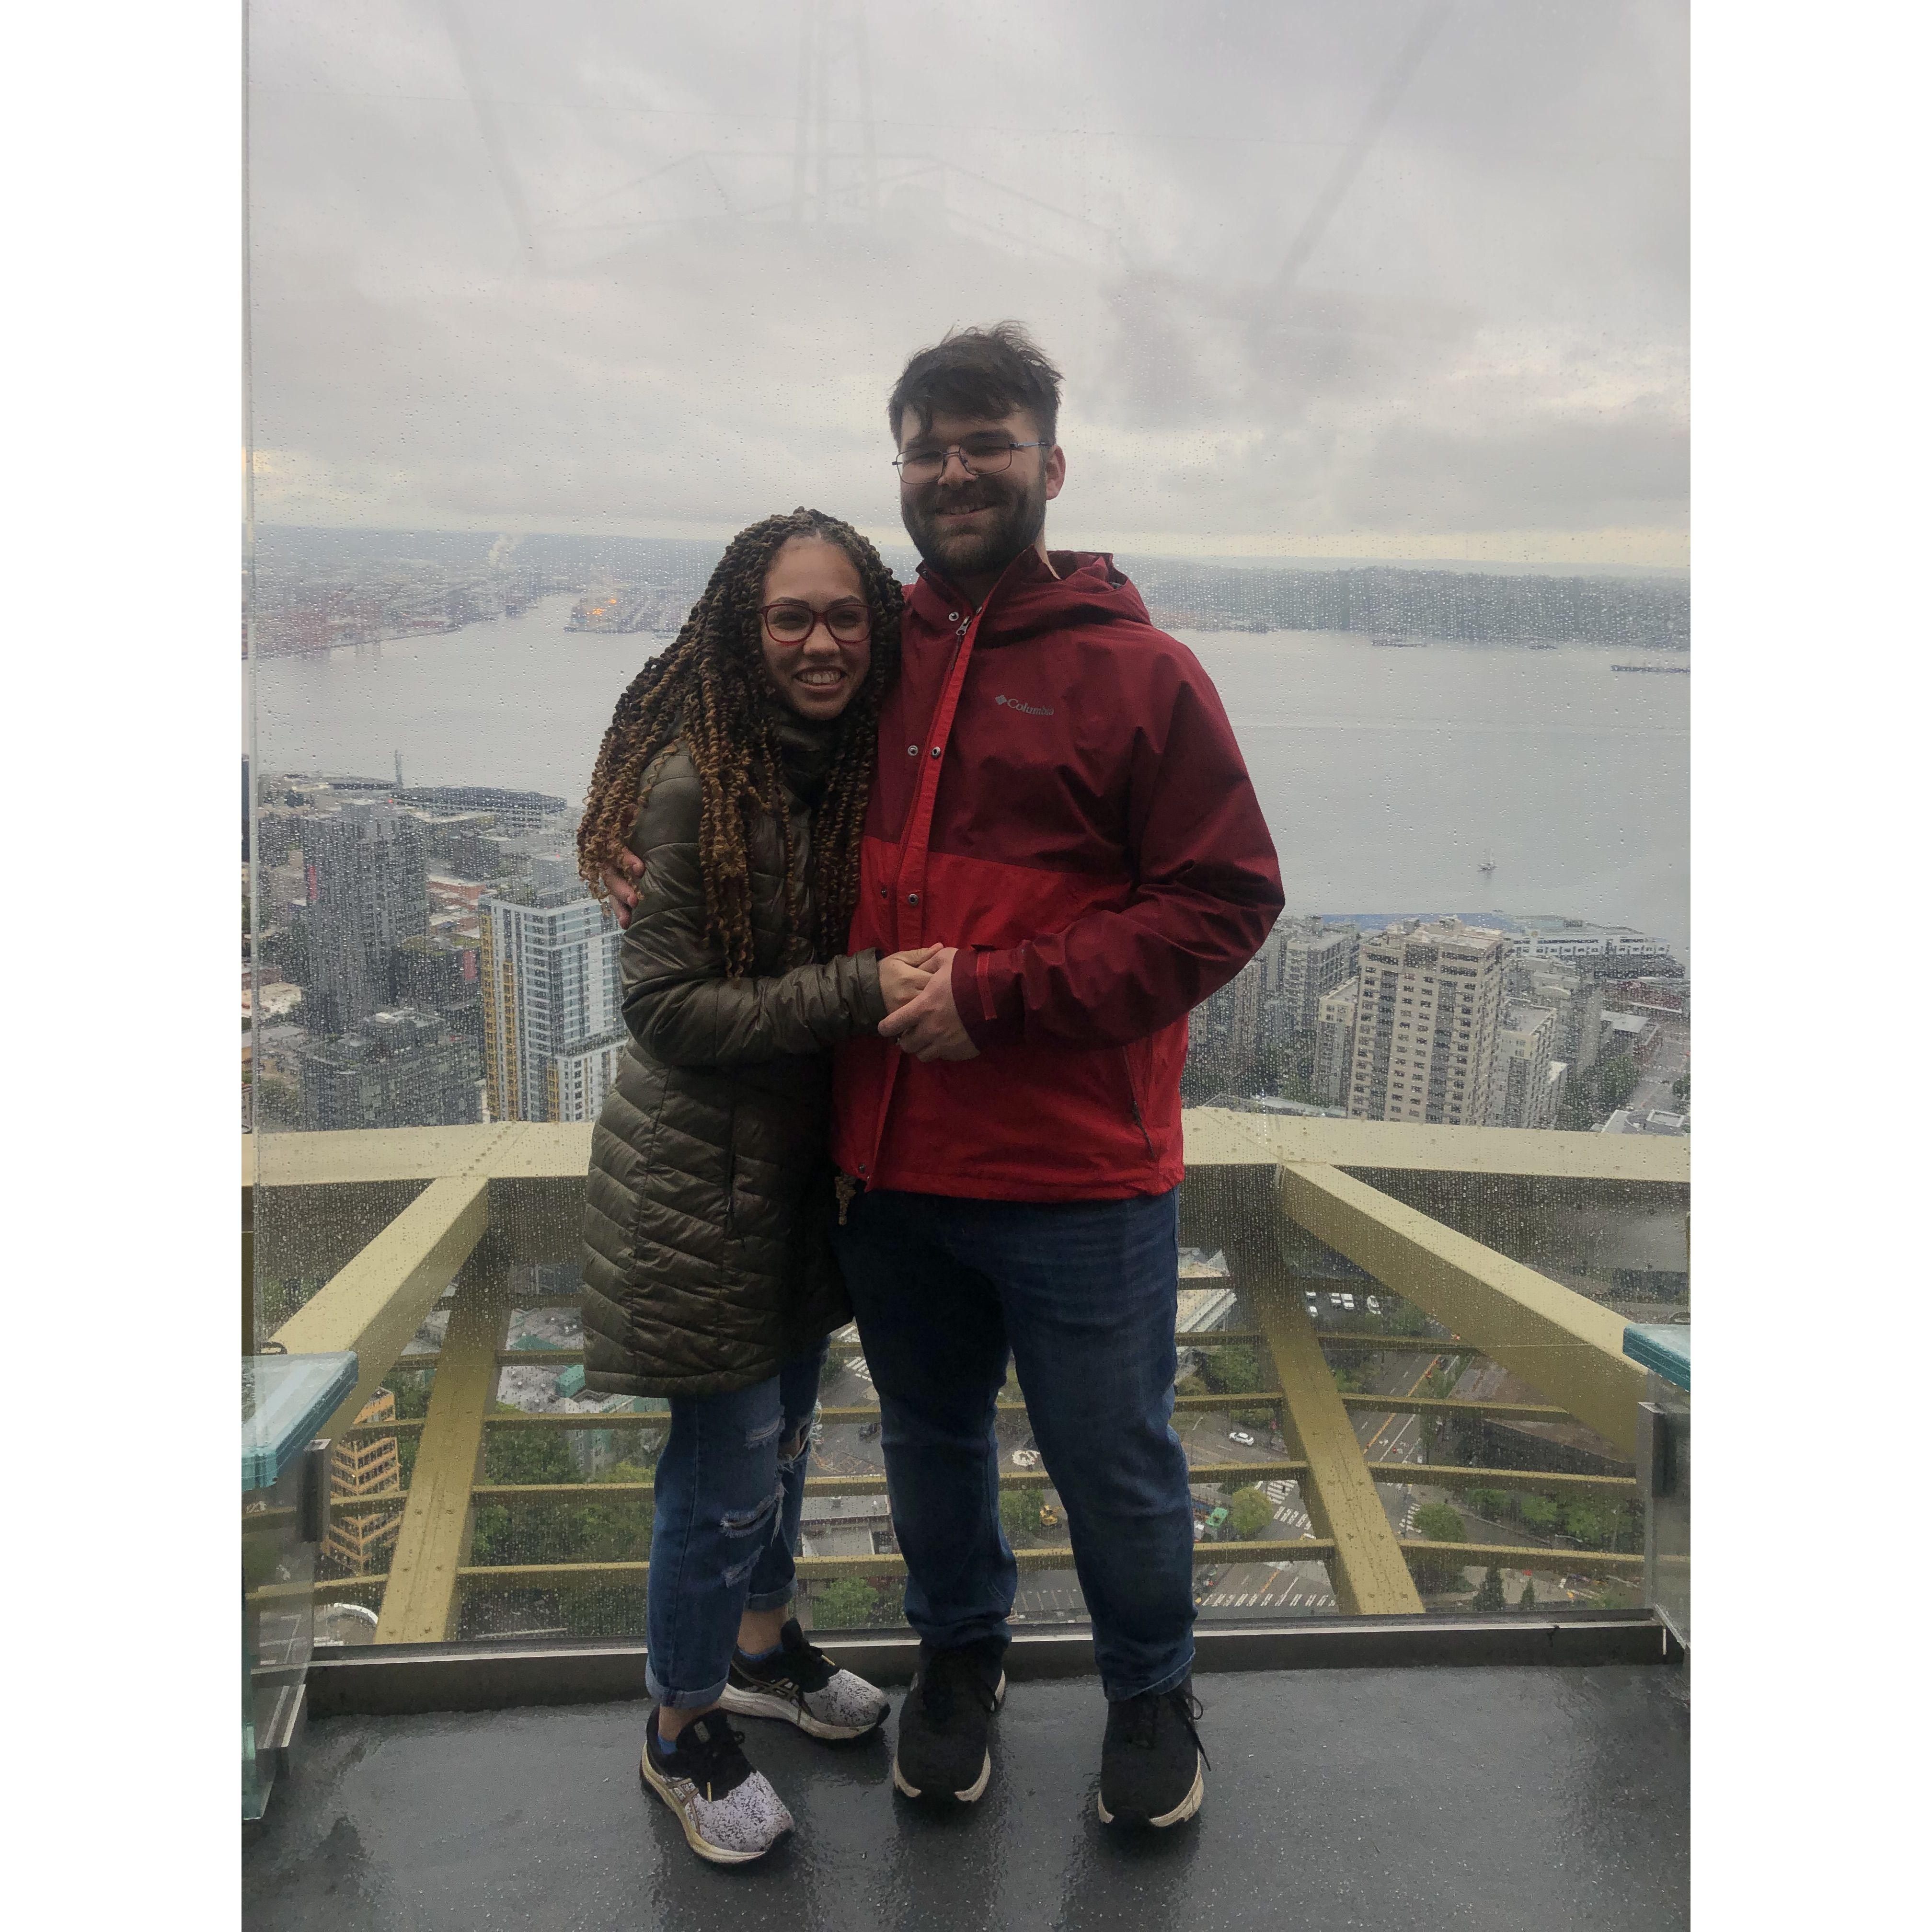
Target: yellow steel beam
(1370,1577)
(1379,1405)
(1559,1342)
(375,1303)
(1543,1482)
(852,1486)
(815,1569)
(421,1603)
(1214,1138)
(1527,1556)
(1471,1406)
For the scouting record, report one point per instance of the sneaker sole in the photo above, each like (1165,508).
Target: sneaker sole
(716,1855)
(977,1789)
(771,1704)
(1179,1815)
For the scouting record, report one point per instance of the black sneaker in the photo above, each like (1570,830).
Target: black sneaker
(943,1722)
(730,1815)
(801,1685)
(1151,1763)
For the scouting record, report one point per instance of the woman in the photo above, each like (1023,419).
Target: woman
(736,768)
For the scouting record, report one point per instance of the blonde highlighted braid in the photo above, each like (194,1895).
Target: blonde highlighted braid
(709,691)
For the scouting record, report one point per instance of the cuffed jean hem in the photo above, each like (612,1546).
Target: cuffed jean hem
(769,1600)
(1172,1681)
(682,1700)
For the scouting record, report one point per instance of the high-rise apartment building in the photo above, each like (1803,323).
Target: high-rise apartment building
(1426,1021)
(367,891)
(1309,960)
(360,1466)
(1527,1089)
(552,1013)
(401,1069)
(1335,1043)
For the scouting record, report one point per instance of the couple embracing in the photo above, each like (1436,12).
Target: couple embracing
(919,890)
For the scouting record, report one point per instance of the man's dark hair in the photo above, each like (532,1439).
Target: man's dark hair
(978,372)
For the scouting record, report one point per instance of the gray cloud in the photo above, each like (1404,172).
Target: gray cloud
(545,272)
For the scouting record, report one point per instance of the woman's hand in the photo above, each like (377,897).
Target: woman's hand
(904,976)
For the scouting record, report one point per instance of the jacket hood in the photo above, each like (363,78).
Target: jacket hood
(1083,590)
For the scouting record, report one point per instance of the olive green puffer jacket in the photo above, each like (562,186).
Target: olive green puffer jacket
(707,1260)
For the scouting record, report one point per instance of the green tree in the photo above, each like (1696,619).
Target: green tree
(1680,1090)
(1527,1601)
(1248,1515)
(1488,1597)
(1231,1371)
(1493,1504)
(1540,1513)
(846,1602)
(1437,1523)
(1019,1514)
(527,1455)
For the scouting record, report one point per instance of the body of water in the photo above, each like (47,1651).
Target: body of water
(1387,776)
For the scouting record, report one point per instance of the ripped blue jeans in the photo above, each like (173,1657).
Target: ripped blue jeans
(730,1482)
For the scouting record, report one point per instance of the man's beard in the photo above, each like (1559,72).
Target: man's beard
(1019,516)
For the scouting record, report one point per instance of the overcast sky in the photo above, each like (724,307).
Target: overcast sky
(1387,278)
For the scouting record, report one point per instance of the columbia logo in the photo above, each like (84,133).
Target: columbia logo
(1031,710)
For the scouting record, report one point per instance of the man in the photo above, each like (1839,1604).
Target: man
(1059,801)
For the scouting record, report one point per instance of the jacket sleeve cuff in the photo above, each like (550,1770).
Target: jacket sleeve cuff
(986,990)
(870,1007)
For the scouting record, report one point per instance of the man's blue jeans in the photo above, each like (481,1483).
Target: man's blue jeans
(731,1483)
(1083,1293)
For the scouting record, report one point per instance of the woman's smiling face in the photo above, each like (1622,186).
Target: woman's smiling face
(818,674)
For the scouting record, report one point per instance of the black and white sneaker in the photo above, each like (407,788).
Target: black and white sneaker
(801,1685)
(730,1815)
(1151,1762)
(944,1723)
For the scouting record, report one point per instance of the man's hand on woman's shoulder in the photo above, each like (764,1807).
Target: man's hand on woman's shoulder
(620,881)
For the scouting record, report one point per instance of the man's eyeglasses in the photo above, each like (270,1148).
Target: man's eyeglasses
(978,456)
(791,620)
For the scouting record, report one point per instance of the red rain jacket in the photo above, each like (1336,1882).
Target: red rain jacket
(1059,795)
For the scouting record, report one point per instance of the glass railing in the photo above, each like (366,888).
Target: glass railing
(1382,1415)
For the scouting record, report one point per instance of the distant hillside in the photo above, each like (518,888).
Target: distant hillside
(452,575)
(1472,606)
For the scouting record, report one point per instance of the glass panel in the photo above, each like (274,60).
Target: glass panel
(1373,327)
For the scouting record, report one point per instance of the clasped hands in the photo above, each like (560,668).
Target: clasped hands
(917,985)
(920,1014)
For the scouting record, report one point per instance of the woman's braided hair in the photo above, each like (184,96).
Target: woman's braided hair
(710,692)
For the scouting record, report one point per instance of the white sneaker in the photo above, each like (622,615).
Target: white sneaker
(801,1685)
(731,1814)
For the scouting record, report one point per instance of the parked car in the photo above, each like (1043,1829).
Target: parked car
(867,1430)
(1375,1306)
(1026,1459)
(1241,1436)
